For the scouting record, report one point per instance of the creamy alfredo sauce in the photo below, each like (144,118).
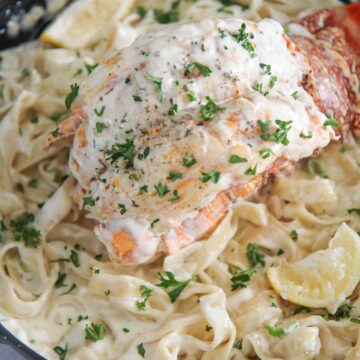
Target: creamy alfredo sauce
(179,102)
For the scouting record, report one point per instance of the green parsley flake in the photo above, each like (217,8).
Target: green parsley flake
(100,112)
(137,98)
(236,159)
(100,126)
(33,183)
(157,82)
(251,171)
(168,280)
(188,161)
(161,189)
(241,37)
(88,201)
(354,211)
(141,350)
(174,175)
(196,68)
(24,232)
(61,352)
(212,176)
(125,151)
(90,68)
(330,121)
(241,278)
(208,111)
(173,110)
(163,17)
(74,91)
(266,152)
(281,331)
(294,235)
(94,332)
(122,208)
(191,97)
(266,68)
(255,255)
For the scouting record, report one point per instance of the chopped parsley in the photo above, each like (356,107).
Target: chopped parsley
(122,209)
(266,68)
(236,159)
(100,112)
(208,328)
(145,154)
(295,95)
(107,292)
(74,258)
(175,196)
(137,98)
(143,189)
(90,68)
(191,97)
(125,330)
(212,176)
(174,175)
(265,152)
(302,309)
(157,82)
(72,287)
(200,69)
(342,149)
(100,126)
(161,189)
(188,161)
(241,278)
(355,320)
(241,37)
(251,171)
(141,350)
(74,91)
(154,222)
(208,111)
(88,201)
(344,311)
(354,211)
(330,121)
(141,11)
(173,110)
(61,352)
(255,255)
(166,17)
(94,332)
(125,151)
(281,331)
(33,183)
(145,292)
(60,280)
(168,280)
(34,120)
(316,167)
(280,135)
(294,235)
(24,232)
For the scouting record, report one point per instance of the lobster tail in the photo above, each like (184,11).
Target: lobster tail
(330,41)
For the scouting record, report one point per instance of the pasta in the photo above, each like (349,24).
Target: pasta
(57,285)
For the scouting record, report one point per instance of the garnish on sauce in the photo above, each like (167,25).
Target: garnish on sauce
(168,281)
(208,111)
(74,91)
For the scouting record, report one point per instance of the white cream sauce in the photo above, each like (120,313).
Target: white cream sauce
(234,130)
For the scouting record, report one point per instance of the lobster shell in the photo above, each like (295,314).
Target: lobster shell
(332,47)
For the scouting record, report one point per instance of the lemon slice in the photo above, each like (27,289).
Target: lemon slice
(83,23)
(323,279)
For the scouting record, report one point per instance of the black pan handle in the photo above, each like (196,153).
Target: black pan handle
(22,350)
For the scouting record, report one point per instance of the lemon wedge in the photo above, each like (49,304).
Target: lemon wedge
(323,279)
(83,22)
